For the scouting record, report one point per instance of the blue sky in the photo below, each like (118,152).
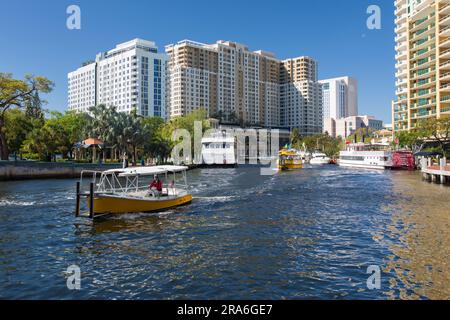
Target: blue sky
(34,38)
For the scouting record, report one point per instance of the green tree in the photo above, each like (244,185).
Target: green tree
(362,135)
(295,137)
(321,142)
(46,141)
(155,144)
(410,140)
(19,94)
(17,127)
(436,130)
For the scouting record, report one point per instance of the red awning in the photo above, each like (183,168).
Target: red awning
(93,142)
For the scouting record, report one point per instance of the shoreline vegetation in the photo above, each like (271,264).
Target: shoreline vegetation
(29,132)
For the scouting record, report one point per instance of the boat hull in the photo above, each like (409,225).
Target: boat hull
(111,204)
(290,166)
(362,166)
(319,161)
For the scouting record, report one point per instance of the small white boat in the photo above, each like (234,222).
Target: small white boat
(319,158)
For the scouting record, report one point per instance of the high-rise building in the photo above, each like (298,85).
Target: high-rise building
(340,97)
(422,62)
(131,76)
(237,85)
(344,127)
(301,95)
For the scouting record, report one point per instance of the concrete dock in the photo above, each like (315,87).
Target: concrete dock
(438,173)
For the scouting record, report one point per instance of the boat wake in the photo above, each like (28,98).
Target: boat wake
(215,199)
(16,203)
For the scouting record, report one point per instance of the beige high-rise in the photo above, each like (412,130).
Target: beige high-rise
(241,86)
(301,96)
(422,62)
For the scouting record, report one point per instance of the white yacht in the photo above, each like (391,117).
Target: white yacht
(371,156)
(319,158)
(219,148)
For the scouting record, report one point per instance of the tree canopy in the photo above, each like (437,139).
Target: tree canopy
(20,94)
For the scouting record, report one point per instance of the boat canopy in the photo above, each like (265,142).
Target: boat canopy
(286,152)
(427,154)
(146,171)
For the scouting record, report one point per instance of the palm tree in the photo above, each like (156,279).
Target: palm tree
(102,125)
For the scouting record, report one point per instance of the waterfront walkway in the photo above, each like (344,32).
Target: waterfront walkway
(436,172)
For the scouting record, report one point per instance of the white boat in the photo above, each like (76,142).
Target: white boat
(319,158)
(370,156)
(219,148)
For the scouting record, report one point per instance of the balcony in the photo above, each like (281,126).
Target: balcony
(424,85)
(424,93)
(445,31)
(400,28)
(445,87)
(401,65)
(400,37)
(445,65)
(401,46)
(445,9)
(445,99)
(422,33)
(401,18)
(445,54)
(444,18)
(445,76)
(423,114)
(420,24)
(445,43)
(424,104)
(400,10)
(401,55)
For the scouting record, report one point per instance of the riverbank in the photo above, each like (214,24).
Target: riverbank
(27,170)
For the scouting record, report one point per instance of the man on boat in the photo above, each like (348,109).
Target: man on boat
(156,186)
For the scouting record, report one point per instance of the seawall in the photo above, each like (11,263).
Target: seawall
(22,170)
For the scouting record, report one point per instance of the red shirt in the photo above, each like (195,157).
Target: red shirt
(156,184)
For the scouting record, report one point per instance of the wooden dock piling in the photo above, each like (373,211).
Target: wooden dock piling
(91,200)
(77,206)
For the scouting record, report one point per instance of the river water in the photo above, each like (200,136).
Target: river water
(296,235)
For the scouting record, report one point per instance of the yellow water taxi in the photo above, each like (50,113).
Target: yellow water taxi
(289,159)
(127,191)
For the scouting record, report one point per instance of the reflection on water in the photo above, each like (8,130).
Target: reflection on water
(305,234)
(419,238)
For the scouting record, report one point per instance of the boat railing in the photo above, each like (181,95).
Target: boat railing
(94,173)
(111,183)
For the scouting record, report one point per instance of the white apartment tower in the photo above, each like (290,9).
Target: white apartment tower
(130,76)
(422,62)
(237,85)
(340,97)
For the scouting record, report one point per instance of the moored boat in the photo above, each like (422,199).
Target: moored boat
(127,191)
(319,158)
(289,159)
(219,149)
(369,156)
